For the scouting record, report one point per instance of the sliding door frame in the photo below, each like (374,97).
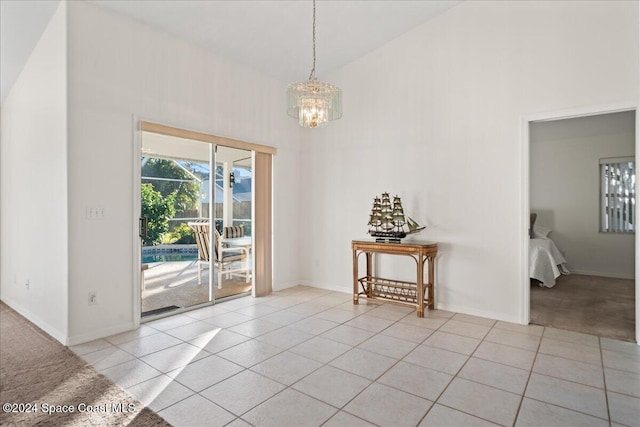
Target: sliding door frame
(262,205)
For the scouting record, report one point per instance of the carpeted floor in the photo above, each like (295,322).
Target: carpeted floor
(594,305)
(35,368)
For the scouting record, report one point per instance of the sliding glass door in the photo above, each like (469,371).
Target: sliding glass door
(196,224)
(176,207)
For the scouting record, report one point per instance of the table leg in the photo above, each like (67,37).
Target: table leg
(420,288)
(369,274)
(432,284)
(355,277)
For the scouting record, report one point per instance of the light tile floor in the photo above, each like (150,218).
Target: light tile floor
(309,357)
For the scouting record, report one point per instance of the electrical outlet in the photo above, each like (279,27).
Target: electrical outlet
(93,298)
(26,285)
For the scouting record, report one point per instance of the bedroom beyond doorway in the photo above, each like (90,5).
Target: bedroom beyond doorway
(582,190)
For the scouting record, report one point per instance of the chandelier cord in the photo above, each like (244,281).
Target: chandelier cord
(313,69)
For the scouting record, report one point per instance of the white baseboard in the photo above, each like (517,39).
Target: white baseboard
(479,313)
(287,285)
(601,274)
(100,333)
(36,320)
(329,287)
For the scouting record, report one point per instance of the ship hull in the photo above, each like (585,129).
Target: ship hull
(388,236)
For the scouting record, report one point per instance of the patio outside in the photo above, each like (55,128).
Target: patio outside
(175,192)
(175,283)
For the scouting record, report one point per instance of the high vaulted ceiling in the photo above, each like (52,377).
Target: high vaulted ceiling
(274,37)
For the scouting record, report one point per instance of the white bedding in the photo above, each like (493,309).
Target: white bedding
(546,262)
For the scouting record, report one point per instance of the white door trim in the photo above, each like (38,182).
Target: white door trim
(136,202)
(525,295)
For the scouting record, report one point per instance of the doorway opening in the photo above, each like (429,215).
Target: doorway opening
(581,256)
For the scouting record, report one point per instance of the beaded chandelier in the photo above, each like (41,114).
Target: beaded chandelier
(312,102)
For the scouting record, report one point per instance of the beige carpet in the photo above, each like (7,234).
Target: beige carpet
(593,305)
(35,368)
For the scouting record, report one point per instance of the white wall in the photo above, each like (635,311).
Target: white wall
(34,185)
(435,116)
(565,190)
(119,68)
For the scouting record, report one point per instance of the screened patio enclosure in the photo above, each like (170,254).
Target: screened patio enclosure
(176,180)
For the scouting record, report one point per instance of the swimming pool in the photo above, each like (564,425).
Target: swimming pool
(169,253)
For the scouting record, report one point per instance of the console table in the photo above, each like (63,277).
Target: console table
(419,294)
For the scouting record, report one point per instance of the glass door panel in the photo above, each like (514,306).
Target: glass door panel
(234,222)
(175,207)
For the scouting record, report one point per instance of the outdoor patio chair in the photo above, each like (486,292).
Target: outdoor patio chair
(224,258)
(232,232)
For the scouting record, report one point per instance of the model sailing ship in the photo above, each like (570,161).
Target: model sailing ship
(388,222)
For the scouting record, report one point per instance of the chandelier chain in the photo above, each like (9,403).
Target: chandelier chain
(313,69)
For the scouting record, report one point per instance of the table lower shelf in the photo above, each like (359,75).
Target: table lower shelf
(394,291)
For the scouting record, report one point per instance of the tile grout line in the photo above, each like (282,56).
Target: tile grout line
(322,364)
(379,376)
(374,381)
(526,386)
(604,382)
(453,377)
(568,409)
(286,387)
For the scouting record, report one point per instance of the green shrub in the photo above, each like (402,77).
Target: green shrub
(183,234)
(158,210)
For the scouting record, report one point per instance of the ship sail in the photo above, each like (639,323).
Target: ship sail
(375,218)
(387,212)
(414,227)
(398,213)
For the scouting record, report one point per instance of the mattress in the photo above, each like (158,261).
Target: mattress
(546,262)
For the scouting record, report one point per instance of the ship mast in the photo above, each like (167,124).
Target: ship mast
(398,214)
(387,212)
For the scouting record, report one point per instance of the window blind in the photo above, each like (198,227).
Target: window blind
(617,195)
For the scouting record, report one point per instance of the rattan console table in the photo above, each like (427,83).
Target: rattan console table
(419,294)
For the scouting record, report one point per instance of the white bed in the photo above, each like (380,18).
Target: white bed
(546,262)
